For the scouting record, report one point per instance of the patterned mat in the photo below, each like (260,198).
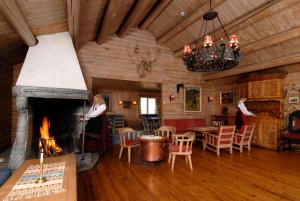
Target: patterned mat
(26,187)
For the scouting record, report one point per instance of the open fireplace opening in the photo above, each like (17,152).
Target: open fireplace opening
(60,118)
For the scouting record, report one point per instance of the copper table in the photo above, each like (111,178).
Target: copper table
(152,147)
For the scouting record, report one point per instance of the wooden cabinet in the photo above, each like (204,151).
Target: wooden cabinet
(255,89)
(273,88)
(242,90)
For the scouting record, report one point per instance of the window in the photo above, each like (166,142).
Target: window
(148,105)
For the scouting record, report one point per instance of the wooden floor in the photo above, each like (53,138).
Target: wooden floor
(257,175)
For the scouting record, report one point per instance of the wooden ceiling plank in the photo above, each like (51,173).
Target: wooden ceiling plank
(140,10)
(12,13)
(155,14)
(235,22)
(272,40)
(73,8)
(187,22)
(116,11)
(268,64)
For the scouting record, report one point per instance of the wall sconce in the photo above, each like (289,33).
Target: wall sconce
(210,99)
(172,97)
(120,102)
(134,102)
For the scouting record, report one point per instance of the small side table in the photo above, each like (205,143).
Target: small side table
(152,147)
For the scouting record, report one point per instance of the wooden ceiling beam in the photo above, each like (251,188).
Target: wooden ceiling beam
(267,64)
(73,7)
(235,22)
(272,40)
(116,11)
(139,12)
(12,13)
(155,14)
(196,15)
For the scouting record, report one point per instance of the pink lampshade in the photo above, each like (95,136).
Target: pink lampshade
(187,49)
(207,42)
(233,40)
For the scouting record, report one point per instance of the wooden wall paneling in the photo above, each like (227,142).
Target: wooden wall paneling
(137,15)
(6,76)
(272,63)
(114,15)
(154,14)
(187,21)
(229,20)
(171,15)
(91,13)
(12,13)
(110,60)
(46,17)
(73,8)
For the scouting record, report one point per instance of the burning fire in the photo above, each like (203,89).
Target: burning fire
(49,144)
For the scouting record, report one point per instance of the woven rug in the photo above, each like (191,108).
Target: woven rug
(26,187)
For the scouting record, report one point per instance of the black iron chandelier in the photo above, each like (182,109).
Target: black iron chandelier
(212,57)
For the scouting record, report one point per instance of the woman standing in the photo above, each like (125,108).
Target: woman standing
(242,114)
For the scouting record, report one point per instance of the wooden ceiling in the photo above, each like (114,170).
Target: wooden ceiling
(268,30)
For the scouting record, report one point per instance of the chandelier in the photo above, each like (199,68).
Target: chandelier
(212,57)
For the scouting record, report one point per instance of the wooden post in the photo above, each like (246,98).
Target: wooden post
(73,7)
(12,13)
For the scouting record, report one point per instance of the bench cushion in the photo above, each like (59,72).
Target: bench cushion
(183,125)
(4,175)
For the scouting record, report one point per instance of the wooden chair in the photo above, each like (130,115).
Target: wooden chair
(244,138)
(167,132)
(223,139)
(128,139)
(182,145)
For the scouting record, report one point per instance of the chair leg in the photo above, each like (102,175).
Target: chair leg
(121,151)
(204,146)
(241,148)
(230,150)
(218,151)
(173,161)
(249,147)
(169,160)
(129,154)
(190,162)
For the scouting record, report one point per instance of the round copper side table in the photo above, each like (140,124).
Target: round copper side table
(152,147)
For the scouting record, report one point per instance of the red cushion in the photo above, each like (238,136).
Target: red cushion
(132,142)
(297,123)
(175,148)
(291,135)
(182,125)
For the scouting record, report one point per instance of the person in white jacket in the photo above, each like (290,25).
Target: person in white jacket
(242,113)
(97,108)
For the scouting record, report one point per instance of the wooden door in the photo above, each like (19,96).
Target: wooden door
(269,133)
(272,88)
(242,90)
(255,89)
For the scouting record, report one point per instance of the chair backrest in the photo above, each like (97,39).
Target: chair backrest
(165,131)
(123,133)
(118,122)
(146,125)
(226,134)
(248,133)
(184,142)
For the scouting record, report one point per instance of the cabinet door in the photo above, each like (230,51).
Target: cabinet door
(255,89)
(256,139)
(272,88)
(242,90)
(269,133)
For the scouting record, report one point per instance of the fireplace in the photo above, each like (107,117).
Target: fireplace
(50,76)
(61,116)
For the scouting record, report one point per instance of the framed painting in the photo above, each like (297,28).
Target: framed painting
(192,99)
(294,99)
(227,97)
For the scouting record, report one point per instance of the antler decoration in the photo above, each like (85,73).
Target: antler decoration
(143,58)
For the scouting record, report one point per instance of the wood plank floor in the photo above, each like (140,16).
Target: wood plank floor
(259,175)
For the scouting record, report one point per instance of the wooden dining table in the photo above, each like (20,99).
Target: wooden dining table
(69,179)
(201,130)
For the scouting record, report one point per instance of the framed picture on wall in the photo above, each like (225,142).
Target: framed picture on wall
(192,99)
(226,97)
(293,99)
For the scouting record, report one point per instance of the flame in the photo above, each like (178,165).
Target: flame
(51,147)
